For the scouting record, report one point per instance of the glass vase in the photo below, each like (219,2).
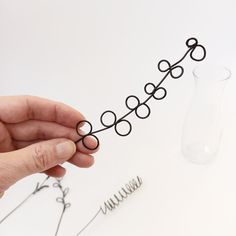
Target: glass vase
(202,129)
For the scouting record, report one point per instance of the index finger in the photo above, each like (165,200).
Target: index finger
(15,109)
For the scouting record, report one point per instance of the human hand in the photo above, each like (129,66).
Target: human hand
(37,135)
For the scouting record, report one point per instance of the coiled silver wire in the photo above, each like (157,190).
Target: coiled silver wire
(113,202)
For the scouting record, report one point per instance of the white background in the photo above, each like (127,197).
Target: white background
(91,55)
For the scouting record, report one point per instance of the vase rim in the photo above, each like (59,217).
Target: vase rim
(212,72)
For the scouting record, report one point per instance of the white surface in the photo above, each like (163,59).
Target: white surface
(91,55)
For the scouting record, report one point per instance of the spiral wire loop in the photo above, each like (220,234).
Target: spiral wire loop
(117,198)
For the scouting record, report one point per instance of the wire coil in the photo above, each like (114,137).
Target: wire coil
(113,202)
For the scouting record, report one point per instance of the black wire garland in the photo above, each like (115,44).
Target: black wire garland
(134,105)
(153,91)
(113,202)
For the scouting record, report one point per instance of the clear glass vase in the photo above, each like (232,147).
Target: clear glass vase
(202,127)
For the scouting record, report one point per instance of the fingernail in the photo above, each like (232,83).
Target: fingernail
(91,142)
(65,149)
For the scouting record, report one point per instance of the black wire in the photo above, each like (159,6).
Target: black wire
(175,71)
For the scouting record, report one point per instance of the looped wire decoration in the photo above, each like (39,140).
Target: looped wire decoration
(62,200)
(133,103)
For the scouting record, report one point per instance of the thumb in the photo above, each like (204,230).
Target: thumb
(33,159)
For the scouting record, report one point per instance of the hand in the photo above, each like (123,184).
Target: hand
(37,135)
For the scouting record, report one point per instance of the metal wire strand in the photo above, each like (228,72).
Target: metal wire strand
(38,188)
(113,202)
(62,200)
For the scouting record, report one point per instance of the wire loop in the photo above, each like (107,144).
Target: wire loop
(133,103)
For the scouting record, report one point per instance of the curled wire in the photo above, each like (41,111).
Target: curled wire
(113,202)
(133,103)
(38,188)
(62,200)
